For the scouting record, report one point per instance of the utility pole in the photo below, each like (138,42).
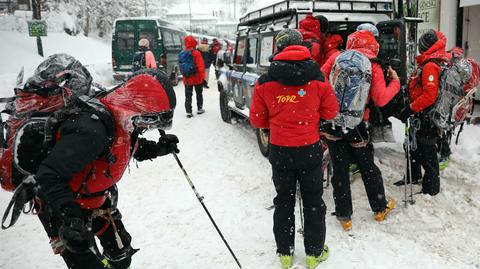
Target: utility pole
(235,9)
(37,15)
(145,7)
(190,14)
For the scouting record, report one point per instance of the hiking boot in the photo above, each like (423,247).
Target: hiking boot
(313,261)
(380,216)
(189,115)
(286,261)
(346,225)
(401,182)
(443,163)
(201,111)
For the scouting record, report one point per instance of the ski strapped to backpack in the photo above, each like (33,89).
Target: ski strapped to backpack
(351,78)
(187,63)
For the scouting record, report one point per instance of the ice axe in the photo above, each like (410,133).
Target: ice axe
(200,199)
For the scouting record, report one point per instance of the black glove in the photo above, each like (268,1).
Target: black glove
(405,113)
(167,144)
(73,232)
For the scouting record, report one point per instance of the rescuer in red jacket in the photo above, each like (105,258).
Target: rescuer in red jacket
(312,36)
(196,80)
(290,100)
(355,145)
(331,46)
(423,89)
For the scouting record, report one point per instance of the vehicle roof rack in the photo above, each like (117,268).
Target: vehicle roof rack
(291,7)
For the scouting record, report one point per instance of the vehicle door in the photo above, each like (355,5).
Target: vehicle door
(398,46)
(265,51)
(123,46)
(172,42)
(238,70)
(251,69)
(148,30)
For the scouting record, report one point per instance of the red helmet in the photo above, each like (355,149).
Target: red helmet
(145,101)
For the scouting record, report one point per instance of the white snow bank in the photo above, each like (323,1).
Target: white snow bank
(18,49)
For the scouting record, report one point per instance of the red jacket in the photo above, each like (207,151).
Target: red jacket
(293,113)
(197,78)
(330,46)
(310,30)
(424,86)
(381,94)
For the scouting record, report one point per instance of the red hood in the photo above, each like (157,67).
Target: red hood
(293,53)
(310,28)
(364,42)
(141,95)
(332,42)
(437,51)
(190,42)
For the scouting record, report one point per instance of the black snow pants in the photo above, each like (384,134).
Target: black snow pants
(189,94)
(289,166)
(426,156)
(113,255)
(343,154)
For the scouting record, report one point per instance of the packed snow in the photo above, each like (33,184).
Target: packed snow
(170,227)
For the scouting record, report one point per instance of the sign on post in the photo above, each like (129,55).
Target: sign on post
(37,28)
(429,11)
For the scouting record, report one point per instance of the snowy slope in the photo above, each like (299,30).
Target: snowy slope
(169,226)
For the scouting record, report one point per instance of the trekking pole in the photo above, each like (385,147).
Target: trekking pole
(200,199)
(302,229)
(408,170)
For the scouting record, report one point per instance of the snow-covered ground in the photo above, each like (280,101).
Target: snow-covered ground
(169,226)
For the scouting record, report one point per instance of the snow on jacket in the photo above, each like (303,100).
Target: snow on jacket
(197,78)
(311,32)
(381,94)
(206,54)
(330,46)
(424,85)
(291,98)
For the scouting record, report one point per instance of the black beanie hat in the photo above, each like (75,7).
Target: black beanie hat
(427,40)
(323,23)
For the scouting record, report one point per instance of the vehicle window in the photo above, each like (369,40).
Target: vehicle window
(266,50)
(168,40)
(125,40)
(152,38)
(252,51)
(177,40)
(240,52)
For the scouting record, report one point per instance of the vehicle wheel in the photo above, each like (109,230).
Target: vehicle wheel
(225,111)
(263,139)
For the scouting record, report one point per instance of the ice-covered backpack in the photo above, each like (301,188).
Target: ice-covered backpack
(187,63)
(452,81)
(59,88)
(351,77)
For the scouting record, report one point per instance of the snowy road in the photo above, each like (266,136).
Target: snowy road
(169,226)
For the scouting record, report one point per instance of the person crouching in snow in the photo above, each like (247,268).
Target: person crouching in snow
(72,178)
(193,70)
(348,135)
(290,100)
(143,58)
(423,89)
